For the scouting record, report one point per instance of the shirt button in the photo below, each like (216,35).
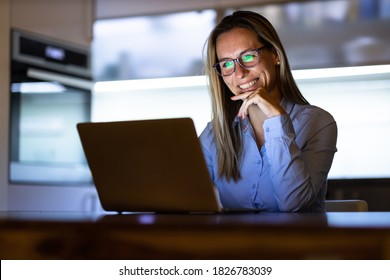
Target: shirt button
(267,129)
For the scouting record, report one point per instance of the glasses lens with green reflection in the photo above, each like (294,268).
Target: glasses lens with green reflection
(246,60)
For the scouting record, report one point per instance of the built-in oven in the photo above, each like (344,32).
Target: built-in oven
(50,91)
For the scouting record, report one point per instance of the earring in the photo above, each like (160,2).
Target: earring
(278,63)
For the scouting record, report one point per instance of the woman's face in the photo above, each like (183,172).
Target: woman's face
(230,45)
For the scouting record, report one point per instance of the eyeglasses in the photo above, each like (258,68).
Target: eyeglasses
(247,59)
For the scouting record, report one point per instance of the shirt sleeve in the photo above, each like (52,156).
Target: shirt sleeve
(300,157)
(206,139)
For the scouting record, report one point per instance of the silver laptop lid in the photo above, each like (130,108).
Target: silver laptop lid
(148,166)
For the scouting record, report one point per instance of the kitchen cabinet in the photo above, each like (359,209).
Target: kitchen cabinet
(70,21)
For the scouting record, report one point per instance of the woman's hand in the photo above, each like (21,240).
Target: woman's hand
(268,105)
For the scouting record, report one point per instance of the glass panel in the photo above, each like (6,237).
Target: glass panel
(47,126)
(360,105)
(358,99)
(154,98)
(316,34)
(45,146)
(151,46)
(336,33)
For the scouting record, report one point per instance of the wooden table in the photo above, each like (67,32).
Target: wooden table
(74,235)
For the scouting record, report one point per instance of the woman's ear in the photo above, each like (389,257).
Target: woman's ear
(275,57)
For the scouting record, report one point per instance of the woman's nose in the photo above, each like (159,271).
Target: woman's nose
(240,72)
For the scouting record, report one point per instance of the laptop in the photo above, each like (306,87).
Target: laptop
(148,166)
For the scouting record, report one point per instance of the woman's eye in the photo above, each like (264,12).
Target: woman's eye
(247,57)
(228,64)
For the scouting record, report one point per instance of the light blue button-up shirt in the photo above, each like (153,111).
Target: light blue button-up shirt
(289,172)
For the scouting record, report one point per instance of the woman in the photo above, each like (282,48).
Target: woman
(266,147)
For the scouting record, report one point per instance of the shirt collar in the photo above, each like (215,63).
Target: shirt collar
(287,105)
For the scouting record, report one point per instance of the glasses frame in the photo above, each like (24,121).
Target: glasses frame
(217,66)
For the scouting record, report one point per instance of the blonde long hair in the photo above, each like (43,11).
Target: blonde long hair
(227,136)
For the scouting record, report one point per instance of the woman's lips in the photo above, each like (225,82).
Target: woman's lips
(248,85)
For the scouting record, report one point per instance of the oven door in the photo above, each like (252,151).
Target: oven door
(45,108)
